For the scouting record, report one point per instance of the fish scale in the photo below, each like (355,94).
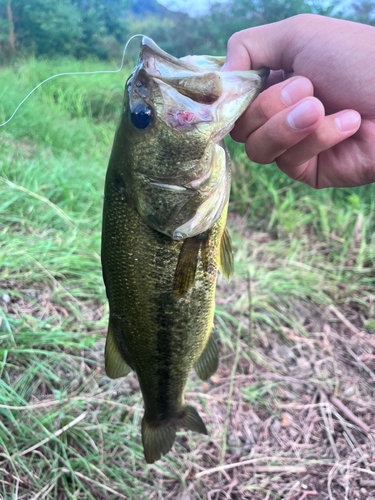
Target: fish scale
(164,234)
(144,296)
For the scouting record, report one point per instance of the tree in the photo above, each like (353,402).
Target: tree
(76,27)
(364,12)
(102,19)
(84,27)
(7,36)
(47,26)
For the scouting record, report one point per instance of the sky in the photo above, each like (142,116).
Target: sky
(193,7)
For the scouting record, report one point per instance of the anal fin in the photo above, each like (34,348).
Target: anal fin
(193,421)
(208,362)
(226,264)
(115,365)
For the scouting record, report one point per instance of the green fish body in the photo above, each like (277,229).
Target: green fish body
(164,234)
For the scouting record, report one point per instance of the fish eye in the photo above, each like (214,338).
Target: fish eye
(142,116)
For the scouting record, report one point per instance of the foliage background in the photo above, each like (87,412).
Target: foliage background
(101,28)
(295,326)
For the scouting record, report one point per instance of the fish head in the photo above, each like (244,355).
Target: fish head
(176,113)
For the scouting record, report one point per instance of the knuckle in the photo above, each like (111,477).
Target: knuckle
(237,136)
(298,171)
(256,154)
(276,137)
(307,17)
(284,164)
(367,171)
(266,144)
(302,18)
(234,40)
(263,110)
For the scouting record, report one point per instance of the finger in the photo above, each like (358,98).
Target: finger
(313,46)
(269,103)
(275,77)
(284,130)
(268,45)
(333,130)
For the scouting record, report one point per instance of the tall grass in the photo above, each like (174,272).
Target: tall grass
(71,114)
(275,198)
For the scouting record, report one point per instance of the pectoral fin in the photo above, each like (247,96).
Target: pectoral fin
(186,265)
(208,362)
(226,264)
(115,366)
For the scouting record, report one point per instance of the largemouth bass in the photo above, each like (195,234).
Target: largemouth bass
(164,235)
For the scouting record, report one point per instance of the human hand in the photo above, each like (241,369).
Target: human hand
(319,125)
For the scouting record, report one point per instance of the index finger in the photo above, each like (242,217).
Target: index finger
(263,46)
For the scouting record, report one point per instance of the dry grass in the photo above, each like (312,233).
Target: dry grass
(291,410)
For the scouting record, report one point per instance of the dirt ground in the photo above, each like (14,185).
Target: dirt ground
(301,415)
(290,415)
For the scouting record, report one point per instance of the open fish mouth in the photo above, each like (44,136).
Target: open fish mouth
(179,111)
(213,95)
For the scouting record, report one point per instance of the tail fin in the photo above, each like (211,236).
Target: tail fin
(158,440)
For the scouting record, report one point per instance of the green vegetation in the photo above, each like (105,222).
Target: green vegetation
(74,27)
(101,27)
(66,430)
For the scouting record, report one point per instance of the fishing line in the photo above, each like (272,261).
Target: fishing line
(76,73)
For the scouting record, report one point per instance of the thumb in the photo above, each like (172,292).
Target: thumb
(263,46)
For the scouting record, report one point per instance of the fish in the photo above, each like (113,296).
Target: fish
(164,230)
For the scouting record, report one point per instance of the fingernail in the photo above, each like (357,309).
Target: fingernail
(304,115)
(347,121)
(296,90)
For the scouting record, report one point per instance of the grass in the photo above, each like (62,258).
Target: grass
(302,258)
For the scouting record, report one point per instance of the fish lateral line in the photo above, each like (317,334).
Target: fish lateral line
(72,74)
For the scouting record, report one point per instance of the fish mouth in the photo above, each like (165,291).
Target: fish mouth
(157,62)
(240,88)
(263,73)
(217,97)
(184,108)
